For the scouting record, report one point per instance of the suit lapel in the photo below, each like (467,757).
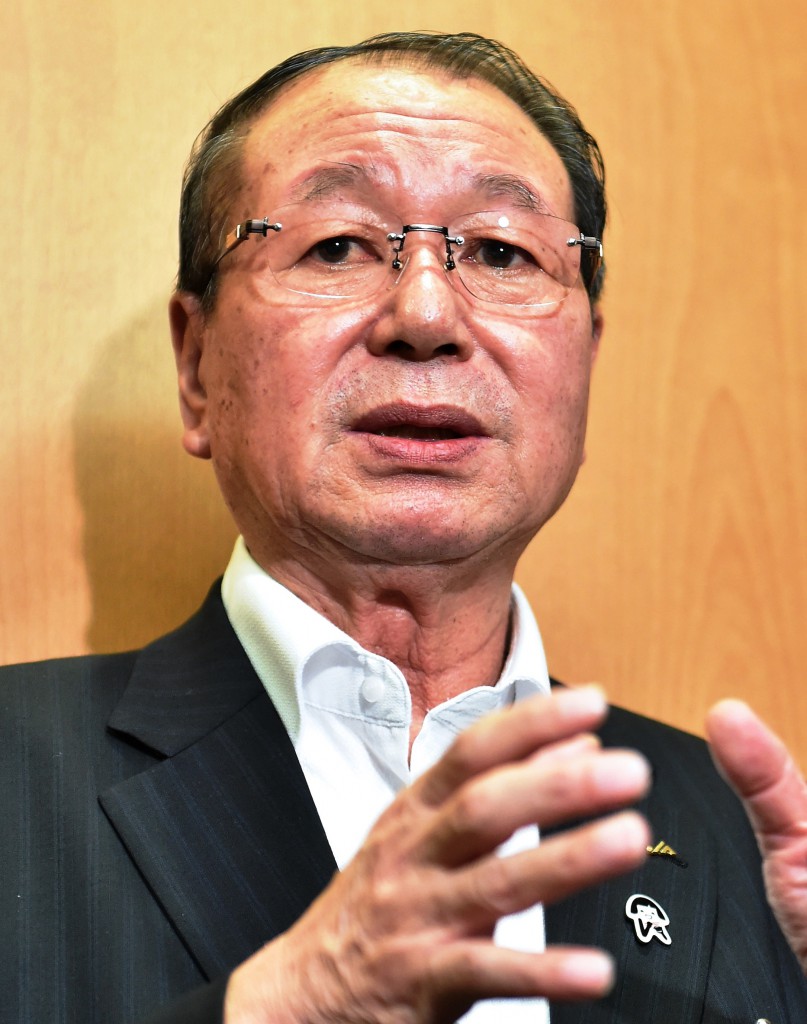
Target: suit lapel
(223,830)
(226,835)
(654,981)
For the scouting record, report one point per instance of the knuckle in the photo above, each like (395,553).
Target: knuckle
(468,960)
(576,785)
(473,809)
(463,755)
(557,787)
(386,906)
(566,858)
(496,887)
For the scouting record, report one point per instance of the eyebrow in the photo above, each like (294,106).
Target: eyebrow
(512,187)
(324,182)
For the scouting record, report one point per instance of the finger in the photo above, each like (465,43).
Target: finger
(568,750)
(474,969)
(557,868)
(486,811)
(757,764)
(512,735)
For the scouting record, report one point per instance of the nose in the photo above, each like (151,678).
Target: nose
(423,312)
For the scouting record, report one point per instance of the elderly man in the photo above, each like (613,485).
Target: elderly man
(384,327)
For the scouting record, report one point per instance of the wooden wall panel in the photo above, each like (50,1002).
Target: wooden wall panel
(677,572)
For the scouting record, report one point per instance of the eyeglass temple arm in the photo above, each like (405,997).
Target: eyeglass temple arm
(241,233)
(592,246)
(589,244)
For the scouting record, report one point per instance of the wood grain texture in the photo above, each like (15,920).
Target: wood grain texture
(677,572)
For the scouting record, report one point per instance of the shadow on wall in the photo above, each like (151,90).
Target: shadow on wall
(156,530)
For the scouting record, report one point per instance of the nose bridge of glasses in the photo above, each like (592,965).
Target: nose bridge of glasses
(399,240)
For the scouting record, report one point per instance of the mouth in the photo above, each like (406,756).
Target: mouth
(413,423)
(423,439)
(419,433)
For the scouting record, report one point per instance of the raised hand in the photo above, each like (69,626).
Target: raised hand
(403,934)
(774,793)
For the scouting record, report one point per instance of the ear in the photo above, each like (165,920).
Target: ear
(597,325)
(187,335)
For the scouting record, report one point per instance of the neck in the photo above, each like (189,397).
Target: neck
(444,626)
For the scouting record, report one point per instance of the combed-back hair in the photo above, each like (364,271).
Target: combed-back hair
(213,175)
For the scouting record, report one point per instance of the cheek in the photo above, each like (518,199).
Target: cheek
(549,359)
(269,380)
(312,353)
(550,371)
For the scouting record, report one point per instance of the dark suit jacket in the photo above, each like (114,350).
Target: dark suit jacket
(158,830)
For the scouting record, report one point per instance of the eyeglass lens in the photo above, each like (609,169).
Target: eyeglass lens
(518,258)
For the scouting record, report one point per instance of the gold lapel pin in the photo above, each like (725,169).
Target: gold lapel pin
(662,849)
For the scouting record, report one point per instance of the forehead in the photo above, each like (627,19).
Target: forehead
(417,136)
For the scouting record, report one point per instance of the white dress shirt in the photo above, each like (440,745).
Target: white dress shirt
(348,713)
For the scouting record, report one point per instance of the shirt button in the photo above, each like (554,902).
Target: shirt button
(372,689)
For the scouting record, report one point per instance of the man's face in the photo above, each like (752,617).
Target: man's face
(416,425)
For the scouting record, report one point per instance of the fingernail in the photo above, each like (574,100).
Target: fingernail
(621,772)
(625,832)
(591,970)
(590,698)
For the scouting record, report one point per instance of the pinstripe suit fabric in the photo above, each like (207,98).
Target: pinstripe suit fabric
(159,830)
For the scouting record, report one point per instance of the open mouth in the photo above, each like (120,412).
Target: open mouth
(414,433)
(411,423)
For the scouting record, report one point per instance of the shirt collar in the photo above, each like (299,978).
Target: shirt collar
(281,633)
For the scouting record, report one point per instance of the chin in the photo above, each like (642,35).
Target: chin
(400,542)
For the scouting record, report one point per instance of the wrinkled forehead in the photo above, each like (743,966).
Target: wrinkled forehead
(352,130)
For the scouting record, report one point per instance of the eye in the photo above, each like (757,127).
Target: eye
(342,250)
(335,250)
(499,255)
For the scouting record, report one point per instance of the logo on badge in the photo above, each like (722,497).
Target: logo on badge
(650,921)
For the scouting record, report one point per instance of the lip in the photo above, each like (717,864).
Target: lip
(441,419)
(421,435)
